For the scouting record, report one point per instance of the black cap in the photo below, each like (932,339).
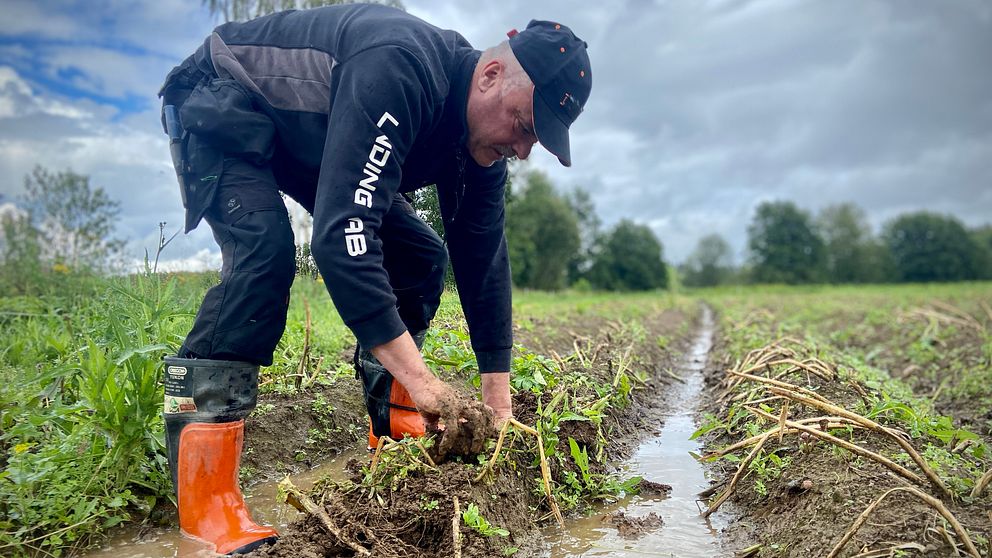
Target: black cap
(557,62)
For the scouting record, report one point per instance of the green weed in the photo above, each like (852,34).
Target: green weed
(472,518)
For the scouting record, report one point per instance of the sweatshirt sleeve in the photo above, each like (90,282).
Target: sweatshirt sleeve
(378,104)
(477,247)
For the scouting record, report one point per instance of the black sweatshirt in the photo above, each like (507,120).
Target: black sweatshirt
(369,101)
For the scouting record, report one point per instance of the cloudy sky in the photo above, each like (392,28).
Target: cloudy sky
(700,110)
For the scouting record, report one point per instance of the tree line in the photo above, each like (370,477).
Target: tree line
(555,240)
(786,244)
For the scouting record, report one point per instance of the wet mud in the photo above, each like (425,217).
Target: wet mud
(664,518)
(808,509)
(414,514)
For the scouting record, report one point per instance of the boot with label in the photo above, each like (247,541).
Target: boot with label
(206,402)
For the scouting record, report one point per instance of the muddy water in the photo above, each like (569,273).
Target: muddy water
(262,500)
(665,459)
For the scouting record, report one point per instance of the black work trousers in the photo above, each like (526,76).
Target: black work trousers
(243,317)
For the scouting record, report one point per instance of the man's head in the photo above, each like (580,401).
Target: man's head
(528,89)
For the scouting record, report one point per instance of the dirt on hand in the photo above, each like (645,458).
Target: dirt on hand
(464,427)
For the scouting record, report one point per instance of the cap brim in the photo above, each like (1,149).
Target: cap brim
(551,132)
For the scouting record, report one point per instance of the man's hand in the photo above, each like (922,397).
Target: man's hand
(496,396)
(466,424)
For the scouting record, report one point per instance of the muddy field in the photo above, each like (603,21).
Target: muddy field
(865,372)
(834,423)
(604,390)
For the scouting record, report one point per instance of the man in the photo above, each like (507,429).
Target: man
(345,109)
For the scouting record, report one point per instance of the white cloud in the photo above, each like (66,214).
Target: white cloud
(17,99)
(203,260)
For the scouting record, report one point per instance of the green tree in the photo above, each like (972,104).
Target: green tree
(784,246)
(930,247)
(710,264)
(629,258)
(849,248)
(20,253)
(243,10)
(585,212)
(74,221)
(542,234)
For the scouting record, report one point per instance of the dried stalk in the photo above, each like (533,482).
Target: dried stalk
(545,469)
(781,420)
(966,317)
(895,467)
(947,538)
(623,363)
(933,502)
(754,439)
(499,445)
(558,360)
(578,352)
(870,425)
(782,385)
(737,476)
(982,483)
(766,399)
(423,450)
(378,452)
(891,551)
(796,365)
(303,503)
(456,534)
(812,399)
(545,474)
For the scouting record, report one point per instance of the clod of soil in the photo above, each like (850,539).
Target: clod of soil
(651,488)
(465,428)
(633,527)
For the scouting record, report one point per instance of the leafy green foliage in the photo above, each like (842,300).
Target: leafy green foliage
(585,212)
(75,221)
(82,430)
(783,246)
(60,238)
(542,234)
(710,264)
(852,255)
(472,518)
(930,247)
(629,258)
(590,485)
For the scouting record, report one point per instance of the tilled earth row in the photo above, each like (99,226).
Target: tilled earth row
(407,506)
(831,463)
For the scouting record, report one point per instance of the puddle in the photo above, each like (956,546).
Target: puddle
(664,459)
(261,499)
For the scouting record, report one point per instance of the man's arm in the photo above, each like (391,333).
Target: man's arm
(378,106)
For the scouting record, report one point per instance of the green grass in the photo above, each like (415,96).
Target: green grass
(81,442)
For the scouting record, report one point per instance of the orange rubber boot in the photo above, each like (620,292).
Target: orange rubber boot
(211,507)
(404,419)
(206,402)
